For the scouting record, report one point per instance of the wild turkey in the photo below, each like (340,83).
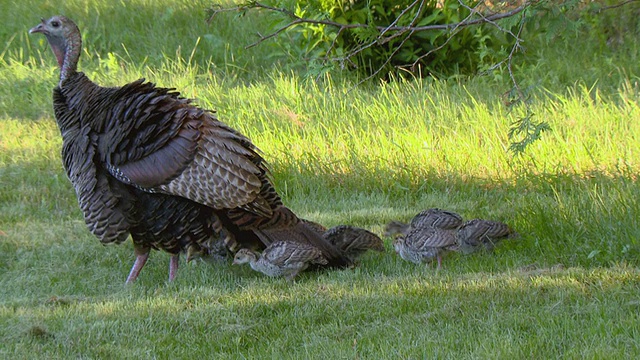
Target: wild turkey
(145,161)
(353,241)
(434,217)
(478,233)
(281,258)
(424,244)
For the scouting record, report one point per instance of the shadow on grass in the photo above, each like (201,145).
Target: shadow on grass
(409,313)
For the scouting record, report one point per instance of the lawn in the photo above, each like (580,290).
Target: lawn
(568,287)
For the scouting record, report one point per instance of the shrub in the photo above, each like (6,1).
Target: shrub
(444,52)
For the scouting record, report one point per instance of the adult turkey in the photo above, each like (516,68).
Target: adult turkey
(145,161)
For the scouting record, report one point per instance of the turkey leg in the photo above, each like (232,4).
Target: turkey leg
(141,259)
(173,266)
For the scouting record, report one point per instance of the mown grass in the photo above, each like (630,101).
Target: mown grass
(339,154)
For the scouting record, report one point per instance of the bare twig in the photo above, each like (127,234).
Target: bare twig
(217,9)
(276,33)
(524,130)
(395,51)
(615,5)
(382,40)
(475,17)
(401,15)
(484,18)
(452,33)
(333,43)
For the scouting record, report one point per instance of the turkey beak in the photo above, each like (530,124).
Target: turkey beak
(40,28)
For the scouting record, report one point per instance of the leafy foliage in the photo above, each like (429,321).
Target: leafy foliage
(385,45)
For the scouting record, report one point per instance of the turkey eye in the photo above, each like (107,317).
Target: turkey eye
(55,24)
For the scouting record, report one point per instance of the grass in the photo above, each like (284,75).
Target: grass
(360,156)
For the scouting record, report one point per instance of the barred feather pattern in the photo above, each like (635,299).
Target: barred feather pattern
(315,226)
(174,225)
(478,233)
(422,245)
(353,241)
(282,258)
(222,172)
(113,210)
(437,218)
(106,214)
(430,218)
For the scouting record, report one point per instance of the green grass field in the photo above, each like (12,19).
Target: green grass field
(569,287)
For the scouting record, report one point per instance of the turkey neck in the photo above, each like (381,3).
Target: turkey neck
(67,52)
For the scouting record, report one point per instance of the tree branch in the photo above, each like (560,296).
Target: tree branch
(402,14)
(276,33)
(615,5)
(453,32)
(394,28)
(296,20)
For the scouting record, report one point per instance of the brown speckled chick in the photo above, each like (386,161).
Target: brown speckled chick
(353,241)
(281,258)
(423,245)
(436,218)
(479,232)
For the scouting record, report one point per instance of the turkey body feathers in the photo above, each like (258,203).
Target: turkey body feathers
(152,139)
(199,159)
(173,224)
